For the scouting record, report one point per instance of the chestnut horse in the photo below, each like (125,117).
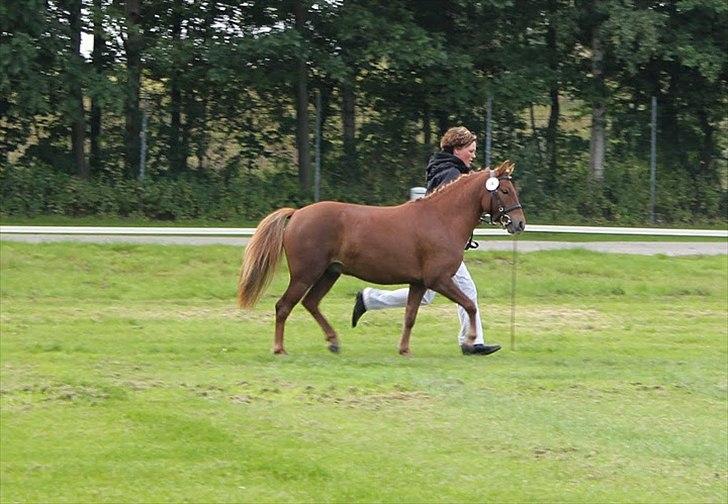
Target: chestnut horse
(419,243)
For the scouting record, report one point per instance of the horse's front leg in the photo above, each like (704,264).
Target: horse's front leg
(414,298)
(448,288)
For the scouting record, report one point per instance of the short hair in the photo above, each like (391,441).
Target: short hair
(456,138)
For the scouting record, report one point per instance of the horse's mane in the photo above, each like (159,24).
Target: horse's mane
(505,168)
(445,187)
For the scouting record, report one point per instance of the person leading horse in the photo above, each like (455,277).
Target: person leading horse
(458,147)
(419,243)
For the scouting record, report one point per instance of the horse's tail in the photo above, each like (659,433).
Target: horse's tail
(261,256)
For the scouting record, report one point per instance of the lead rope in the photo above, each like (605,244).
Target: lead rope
(471,243)
(513,293)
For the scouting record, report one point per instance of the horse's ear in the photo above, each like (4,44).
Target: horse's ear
(505,168)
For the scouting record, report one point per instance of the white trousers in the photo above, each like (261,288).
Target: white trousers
(378,299)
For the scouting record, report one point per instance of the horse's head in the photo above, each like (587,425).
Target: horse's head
(500,199)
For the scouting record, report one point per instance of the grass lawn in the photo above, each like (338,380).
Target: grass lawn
(128,375)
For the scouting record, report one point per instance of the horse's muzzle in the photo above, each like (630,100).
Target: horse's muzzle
(513,227)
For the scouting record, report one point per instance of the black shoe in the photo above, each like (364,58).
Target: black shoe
(479,349)
(359,309)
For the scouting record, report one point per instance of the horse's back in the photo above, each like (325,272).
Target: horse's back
(378,244)
(337,215)
(332,223)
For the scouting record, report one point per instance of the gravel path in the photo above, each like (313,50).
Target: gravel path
(642,248)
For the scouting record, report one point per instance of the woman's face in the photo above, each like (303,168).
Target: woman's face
(466,154)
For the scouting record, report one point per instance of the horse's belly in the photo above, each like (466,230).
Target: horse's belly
(386,269)
(381,278)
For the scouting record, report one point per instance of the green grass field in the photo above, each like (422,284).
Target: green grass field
(128,375)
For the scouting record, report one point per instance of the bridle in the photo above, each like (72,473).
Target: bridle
(501,214)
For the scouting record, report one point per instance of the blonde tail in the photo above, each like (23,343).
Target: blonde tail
(261,256)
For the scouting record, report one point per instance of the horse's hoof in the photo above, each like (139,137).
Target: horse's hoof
(279,351)
(334,348)
(405,353)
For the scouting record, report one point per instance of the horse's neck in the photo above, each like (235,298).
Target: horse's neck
(461,208)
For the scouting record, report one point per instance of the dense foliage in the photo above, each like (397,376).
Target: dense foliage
(207,109)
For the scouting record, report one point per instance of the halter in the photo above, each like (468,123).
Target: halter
(501,215)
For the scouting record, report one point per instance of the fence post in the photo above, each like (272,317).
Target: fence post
(488,128)
(143,140)
(317,172)
(653,155)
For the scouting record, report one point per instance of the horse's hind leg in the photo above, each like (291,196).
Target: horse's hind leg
(295,291)
(313,298)
(414,297)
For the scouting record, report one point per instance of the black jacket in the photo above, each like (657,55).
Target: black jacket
(442,168)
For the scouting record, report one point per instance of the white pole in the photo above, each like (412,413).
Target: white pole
(143,141)
(653,155)
(488,129)
(317,173)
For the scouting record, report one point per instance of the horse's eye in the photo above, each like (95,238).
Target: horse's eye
(504,191)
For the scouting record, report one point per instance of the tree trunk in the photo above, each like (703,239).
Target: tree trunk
(326,94)
(132,112)
(443,123)
(673,149)
(177,153)
(597,144)
(78,122)
(534,132)
(707,145)
(552,129)
(97,60)
(426,134)
(302,129)
(426,129)
(348,116)
(189,110)
(202,136)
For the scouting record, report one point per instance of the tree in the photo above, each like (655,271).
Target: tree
(593,20)
(555,58)
(99,64)
(133,44)
(598,131)
(232,82)
(24,80)
(178,145)
(75,83)
(301,93)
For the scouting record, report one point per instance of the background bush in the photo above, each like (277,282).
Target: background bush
(624,198)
